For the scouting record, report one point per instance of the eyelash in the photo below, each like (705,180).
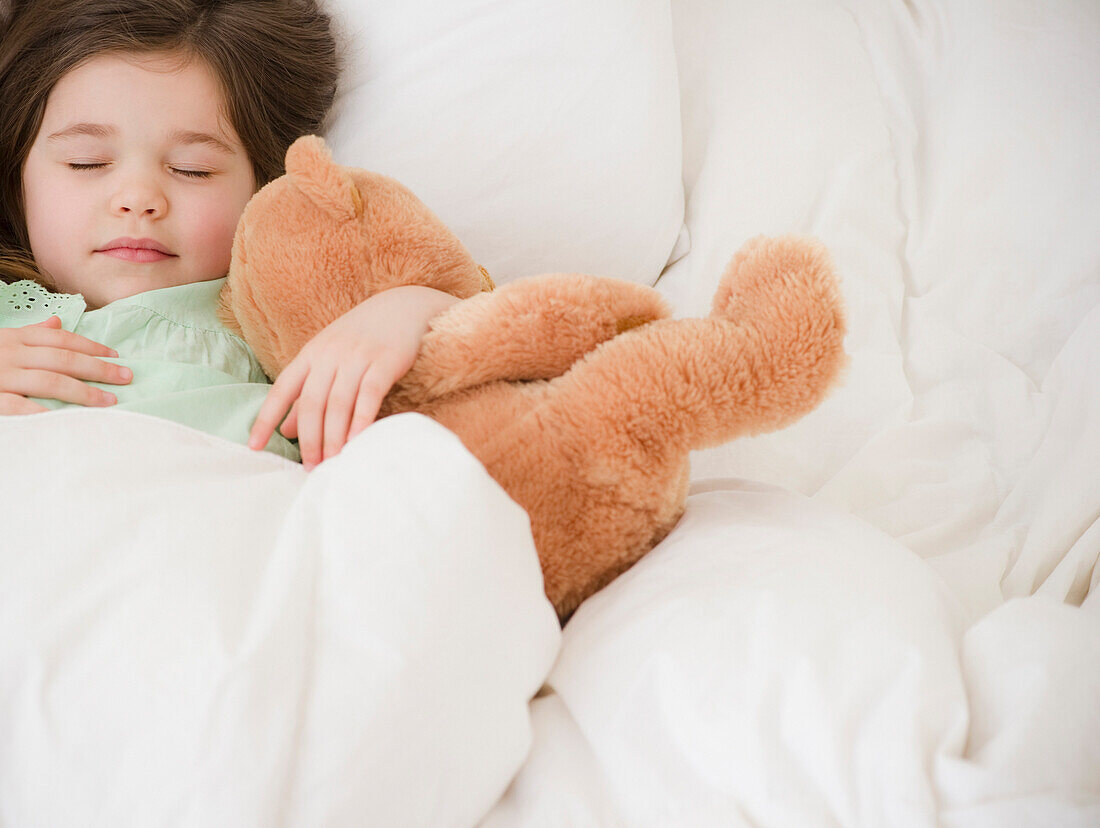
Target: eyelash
(188,173)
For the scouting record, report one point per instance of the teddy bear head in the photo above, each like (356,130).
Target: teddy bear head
(317,241)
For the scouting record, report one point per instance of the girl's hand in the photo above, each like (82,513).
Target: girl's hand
(43,360)
(337,382)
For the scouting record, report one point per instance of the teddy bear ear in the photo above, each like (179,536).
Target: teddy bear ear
(310,168)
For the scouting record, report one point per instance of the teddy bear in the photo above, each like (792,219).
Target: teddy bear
(580,395)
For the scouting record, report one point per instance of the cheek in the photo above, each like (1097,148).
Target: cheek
(48,208)
(57,221)
(212,232)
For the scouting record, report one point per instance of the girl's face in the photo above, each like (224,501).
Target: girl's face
(135,181)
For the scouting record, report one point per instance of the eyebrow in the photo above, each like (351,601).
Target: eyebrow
(98,130)
(183,136)
(179,136)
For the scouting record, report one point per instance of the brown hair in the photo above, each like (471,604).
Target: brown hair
(277,61)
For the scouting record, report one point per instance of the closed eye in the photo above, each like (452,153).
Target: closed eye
(187,173)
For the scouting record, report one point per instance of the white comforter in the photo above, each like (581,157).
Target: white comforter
(887,614)
(192,633)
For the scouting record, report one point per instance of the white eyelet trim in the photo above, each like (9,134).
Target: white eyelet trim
(29,299)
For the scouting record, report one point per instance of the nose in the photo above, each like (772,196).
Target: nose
(139,195)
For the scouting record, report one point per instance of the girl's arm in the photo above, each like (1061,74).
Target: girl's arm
(335,385)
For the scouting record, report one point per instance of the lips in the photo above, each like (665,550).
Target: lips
(136,250)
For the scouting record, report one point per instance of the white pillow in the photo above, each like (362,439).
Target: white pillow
(546,135)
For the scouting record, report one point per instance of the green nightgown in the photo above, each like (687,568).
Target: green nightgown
(186,365)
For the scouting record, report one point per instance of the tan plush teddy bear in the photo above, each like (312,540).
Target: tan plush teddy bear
(577,393)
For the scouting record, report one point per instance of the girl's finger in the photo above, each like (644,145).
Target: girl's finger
(311,412)
(15,404)
(338,409)
(47,323)
(51,385)
(289,428)
(287,387)
(73,364)
(44,333)
(376,383)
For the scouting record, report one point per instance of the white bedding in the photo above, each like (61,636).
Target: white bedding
(886,614)
(192,633)
(776,661)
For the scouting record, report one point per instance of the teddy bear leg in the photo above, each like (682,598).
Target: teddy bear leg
(767,355)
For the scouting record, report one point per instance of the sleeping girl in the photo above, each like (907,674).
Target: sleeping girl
(132,135)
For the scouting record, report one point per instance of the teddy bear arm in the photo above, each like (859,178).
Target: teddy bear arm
(530,329)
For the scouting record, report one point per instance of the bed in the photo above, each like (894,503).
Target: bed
(885,614)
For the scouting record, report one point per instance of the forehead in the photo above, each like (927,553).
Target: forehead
(145,95)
